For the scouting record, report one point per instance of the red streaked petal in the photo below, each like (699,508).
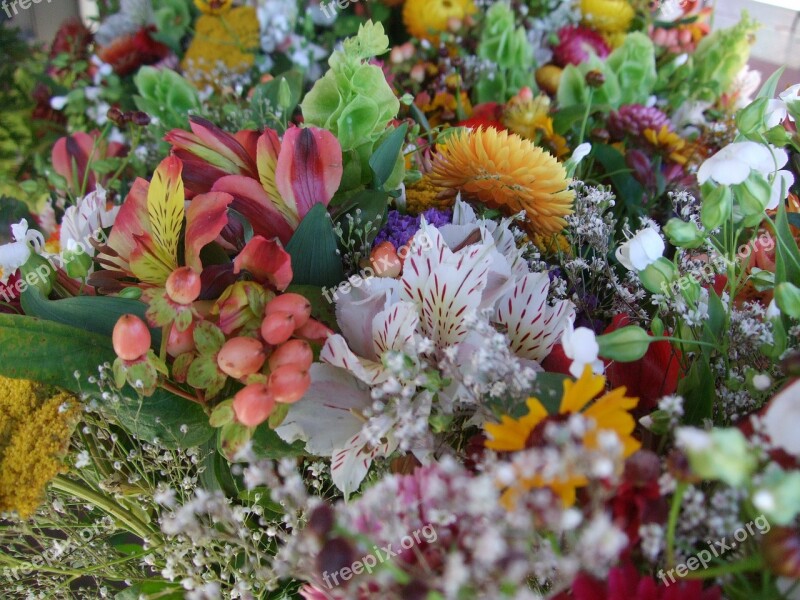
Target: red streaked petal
(250,199)
(266,261)
(205,219)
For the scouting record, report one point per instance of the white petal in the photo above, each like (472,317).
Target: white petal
(337,353)
(12,257)
(780,188)
(781,418)
(776,113)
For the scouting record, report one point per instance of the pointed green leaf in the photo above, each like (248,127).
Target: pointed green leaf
(314,251)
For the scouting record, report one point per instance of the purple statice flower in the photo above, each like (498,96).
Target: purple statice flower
(399,228)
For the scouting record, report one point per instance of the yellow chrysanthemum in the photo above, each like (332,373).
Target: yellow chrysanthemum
(427,18)
(530,118)
(35,427)
(610,412)
(223,46)
(504,171)
(607,16)
(673,145)
(423,195)
(213,7)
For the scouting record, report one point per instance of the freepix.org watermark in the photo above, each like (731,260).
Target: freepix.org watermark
(716,549)
(379,556)
(9,6)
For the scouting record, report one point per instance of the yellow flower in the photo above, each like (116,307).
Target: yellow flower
(35,428)
(529,118)
(427,18)
(607,16)
(504,171)
(673,145)
(422,195)
(223,46)
(610,412)
(213,7)
(551,244)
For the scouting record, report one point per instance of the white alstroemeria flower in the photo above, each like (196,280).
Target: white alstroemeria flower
(581,346)
(642,250)
(15,254)
(82,221)
(733,163)
(776,113)
(581,152)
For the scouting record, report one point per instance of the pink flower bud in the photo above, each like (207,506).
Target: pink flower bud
(131,338)
(277,327)
(180,342)
(288,383)
(253,404)
(297,305)
(241,356)
(385,260)
(183,285)
(417,73)
(294,352)
(314,331)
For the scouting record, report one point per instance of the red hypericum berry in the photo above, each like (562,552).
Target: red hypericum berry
(241,356)
(314,331)
(183,285)
(385,261)
(180,342)
(288,383)
(277,327)
(294,352)
(297,305)
(253,404)
(131,337)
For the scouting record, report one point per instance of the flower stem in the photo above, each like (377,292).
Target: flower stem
(672,523)
(751,563)
(124,517)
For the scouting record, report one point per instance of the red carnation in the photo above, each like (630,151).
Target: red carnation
(651,377)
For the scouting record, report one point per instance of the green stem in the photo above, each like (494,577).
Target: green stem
(586,115)
(682,341)
(672,522)
(127,520)
(751,563)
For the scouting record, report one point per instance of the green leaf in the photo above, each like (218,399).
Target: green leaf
(549,390)
(698,391)
(384,159)
(52,353)
(157,589)
(787,255)
(265,443)
(770,87)
(313,249)
(96,314)
(373,206)
(627,188)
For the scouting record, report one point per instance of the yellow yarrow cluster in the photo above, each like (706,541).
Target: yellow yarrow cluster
(224,45)
(35,427)
(610,17)
(423,194)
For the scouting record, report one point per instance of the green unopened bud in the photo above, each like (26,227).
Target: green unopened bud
(658,276)
(683,234)
(787,296)
(77,263)
(762,280)
(624,345)
(717,205)
(657,327)
(752,195)
(750,120)
(39,273)
(284,95)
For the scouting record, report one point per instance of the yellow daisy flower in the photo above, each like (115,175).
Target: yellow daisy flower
(673,145)
(610,412)
(425,19)
(504,171)
(530,118)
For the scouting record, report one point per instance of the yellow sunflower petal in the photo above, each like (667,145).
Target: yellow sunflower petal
(579,393)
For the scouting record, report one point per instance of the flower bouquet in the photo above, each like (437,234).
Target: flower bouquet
(501,301)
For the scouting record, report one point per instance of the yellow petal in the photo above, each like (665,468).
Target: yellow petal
(165,200)
(579,393)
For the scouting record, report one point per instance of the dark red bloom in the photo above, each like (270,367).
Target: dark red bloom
(129,52)
(638,499)
(72,38)
(488,114)
(577,44)
(650,378)
(625,583)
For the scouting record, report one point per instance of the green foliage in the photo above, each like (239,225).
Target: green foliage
(353,99)
(313,249)
(167,96)
(508,48)
(172,19)
(719,58)
(634,64)
(574,91)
